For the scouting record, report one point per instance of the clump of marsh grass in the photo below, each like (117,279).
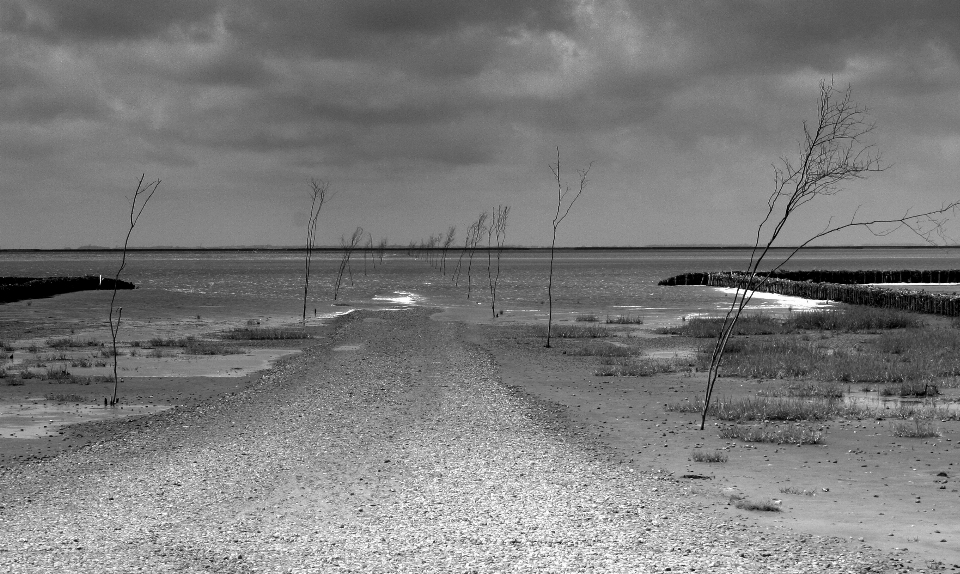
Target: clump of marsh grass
(805,389)
(194,346)
(772,409)
(574,331)
(635,367)
(911,389)
(746,504)
(265,334)
(919,429)
(787,358)
(586,318)
(786,434)
(69,342)
(699,455)
(709,328)
(65,398)
(7,347)
(797,491)
(854,319)
(624,320)
(601,349)
(923,412)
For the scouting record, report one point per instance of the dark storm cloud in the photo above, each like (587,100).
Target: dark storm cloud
(64,20)
(689,95)
(752,36)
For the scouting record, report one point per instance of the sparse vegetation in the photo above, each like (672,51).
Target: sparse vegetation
(65,398)
(635,367)
(709,328)
(772,409)
(601,349)
(69,342)
(574,331)
(919,429)
(194,346)
(624,320)
(785,434)
(587,318)
(797,491)
(790,358)
(265,334)
(7,347)
(805,389)
(854,319)
(700,455)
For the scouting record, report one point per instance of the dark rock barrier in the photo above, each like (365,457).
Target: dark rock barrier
(22,288)
(818,285)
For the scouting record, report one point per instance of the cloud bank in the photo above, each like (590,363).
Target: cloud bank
(422,114)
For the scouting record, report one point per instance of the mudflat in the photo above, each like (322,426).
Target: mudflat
(401,443)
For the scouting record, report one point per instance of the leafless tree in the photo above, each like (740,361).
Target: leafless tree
(477,229)
(498,231)
(319,193)
(368,249)
(447,241)
(347,248)
(382,248)
(832,151)
(463,251)
(138,202)
(563,209)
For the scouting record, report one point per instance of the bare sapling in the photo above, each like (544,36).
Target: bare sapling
(347,248)
(382,249)
(497,231)
(563,210)
(447,241)
(367,250)
(463,251)
(478,228)
(139,201)
(832,151)
(319,193)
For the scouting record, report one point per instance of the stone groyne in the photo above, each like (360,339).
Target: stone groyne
(844,287)
(22,288)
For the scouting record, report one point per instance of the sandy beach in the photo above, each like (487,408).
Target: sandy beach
(404,443)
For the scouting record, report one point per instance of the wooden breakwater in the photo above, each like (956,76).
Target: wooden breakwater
(803,284)
(23,288)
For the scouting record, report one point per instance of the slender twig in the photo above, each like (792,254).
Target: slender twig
(138,202)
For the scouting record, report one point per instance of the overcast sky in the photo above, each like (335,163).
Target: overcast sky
(421,114)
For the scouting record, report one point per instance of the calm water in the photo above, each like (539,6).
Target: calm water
(197,289)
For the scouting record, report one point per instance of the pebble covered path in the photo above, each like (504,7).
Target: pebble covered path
(393,447)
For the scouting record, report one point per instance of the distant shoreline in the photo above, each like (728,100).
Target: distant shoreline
(479,248)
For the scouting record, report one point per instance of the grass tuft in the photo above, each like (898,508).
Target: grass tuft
(635,367)
(699,455)
(266,334)
(624,320)
(792,434)
(586,318)
(574,331)
(919,429)
(65,398)
(798,491)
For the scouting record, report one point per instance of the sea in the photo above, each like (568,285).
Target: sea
(184,291)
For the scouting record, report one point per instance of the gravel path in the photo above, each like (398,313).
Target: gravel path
(400,452)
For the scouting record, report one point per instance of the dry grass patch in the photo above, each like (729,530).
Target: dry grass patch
(699,455)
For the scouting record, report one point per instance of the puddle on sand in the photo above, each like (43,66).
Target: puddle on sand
(948,400)
(38,417)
